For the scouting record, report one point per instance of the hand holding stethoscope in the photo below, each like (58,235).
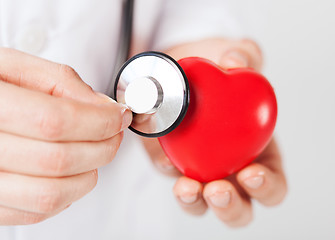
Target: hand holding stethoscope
(263,180)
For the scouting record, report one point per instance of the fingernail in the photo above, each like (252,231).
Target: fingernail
(220,200)
(127,118)
(254,182)
(234,59)
(188,199)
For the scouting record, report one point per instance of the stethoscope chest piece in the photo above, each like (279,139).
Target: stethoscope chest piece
(155,89)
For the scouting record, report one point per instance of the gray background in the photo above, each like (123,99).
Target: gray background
(298,39)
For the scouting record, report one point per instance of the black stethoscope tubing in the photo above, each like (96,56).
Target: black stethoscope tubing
(124,42)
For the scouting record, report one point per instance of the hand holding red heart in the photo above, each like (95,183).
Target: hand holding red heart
(263,180)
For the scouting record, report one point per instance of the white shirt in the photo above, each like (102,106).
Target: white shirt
(131,200)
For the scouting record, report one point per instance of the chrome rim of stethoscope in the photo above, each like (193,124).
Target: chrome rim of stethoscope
(155,88)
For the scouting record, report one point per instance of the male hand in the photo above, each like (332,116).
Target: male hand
(55,131)
(262,180)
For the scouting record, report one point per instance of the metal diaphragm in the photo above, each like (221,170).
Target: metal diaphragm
(155,89)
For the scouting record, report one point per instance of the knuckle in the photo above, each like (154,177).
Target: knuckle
(49,199)
(32,218)
(51,124)
(67,71)
(54,121)
(57,160)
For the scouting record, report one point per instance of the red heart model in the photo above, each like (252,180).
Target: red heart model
(230,120)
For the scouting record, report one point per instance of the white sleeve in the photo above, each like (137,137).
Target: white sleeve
(183,21)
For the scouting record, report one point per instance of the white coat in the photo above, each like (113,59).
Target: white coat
(131,200)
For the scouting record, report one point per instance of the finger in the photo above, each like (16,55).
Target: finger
(10,216)
(35,73)
(158,157)
(36,115)
(189,196)
(224,52)
(227,203)
(43,195)
(264,180)
(51,159)
(240,54)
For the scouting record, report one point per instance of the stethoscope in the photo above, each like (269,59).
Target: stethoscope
(155,88)
(151,84)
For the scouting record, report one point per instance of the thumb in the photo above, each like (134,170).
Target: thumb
(41,75)
(241,54)
(234,59)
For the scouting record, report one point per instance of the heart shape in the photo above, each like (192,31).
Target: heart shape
(229,122)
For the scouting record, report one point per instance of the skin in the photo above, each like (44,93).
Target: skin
(50,159)
(263,180)
(55,132)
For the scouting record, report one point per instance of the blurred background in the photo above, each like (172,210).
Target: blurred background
(297,38)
